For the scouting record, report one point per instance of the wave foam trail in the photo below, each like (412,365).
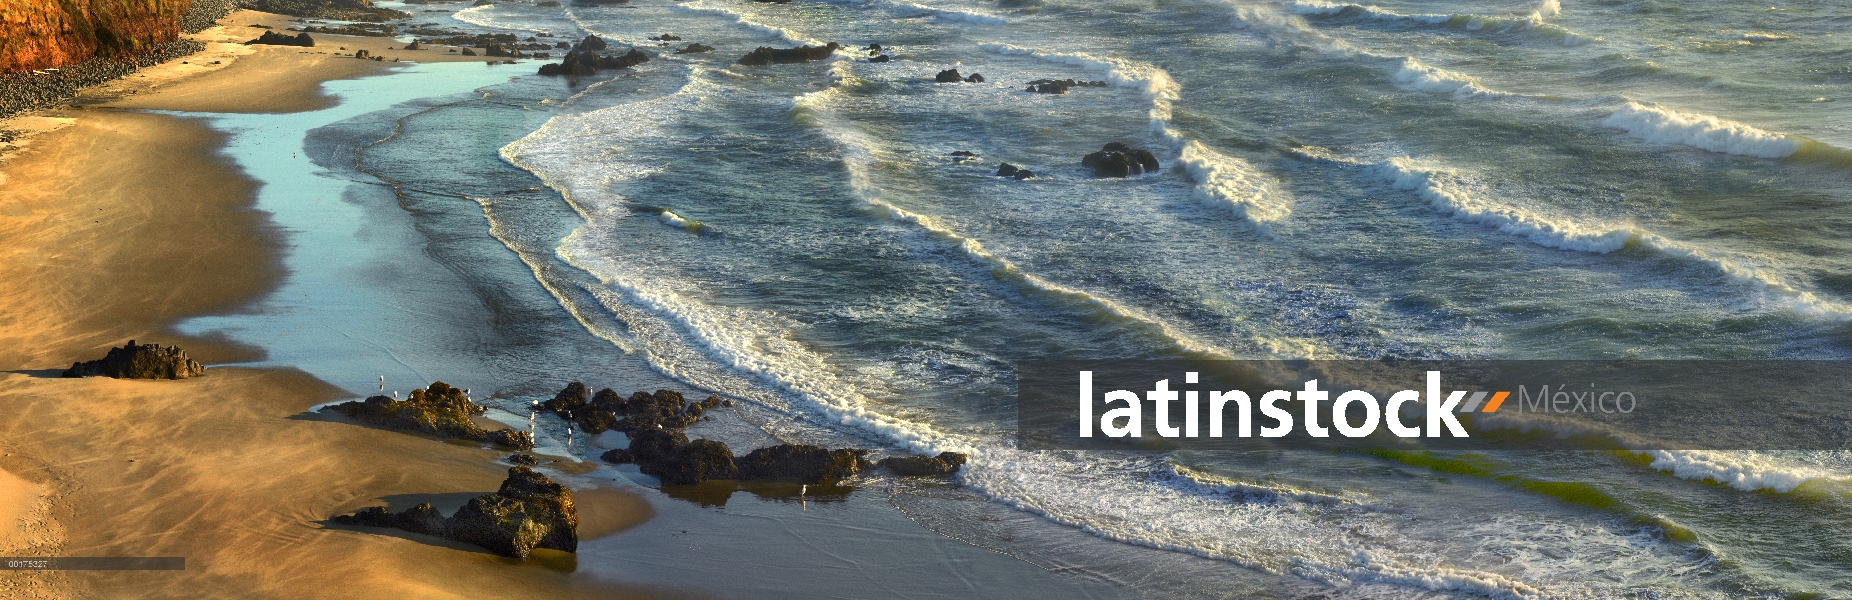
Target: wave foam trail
(1661,125)
(1419,77)
(1451,193)
(746,20)
(1744,470)
(1445,190)
(1221,180)
(975,18)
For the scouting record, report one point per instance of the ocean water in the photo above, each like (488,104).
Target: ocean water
(1488,180)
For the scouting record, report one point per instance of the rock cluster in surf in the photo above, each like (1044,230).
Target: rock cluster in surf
(528,512)
(952,76)
(140,361)
(440,411)
(584,59)
(1059,86)
(1120,160)
(766,55)
(654,423)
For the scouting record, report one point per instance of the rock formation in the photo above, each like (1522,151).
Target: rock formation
(1009,170)
(1059,86)
(948,76)
(695,48)
(975,78)
(1119,160)
(140,361)
(37,34)
(946,463)
(769,56)
(440,411)
(277,39)
(528,512)
(338,10)
(585,60)
(880,58)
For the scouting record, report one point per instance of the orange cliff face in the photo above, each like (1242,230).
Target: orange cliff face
(37,34)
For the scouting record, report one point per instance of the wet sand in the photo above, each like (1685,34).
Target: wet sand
(113,227)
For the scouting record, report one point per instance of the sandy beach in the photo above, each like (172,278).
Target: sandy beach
(114,224)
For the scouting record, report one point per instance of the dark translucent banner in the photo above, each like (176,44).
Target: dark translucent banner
(93,563)
(1442,405)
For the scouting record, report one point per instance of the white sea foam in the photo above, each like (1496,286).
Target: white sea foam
(1221,180)
(1454,194)
(747,20)
(484,16)
(1660,125)
(1445,190)
(1412,74)
(962,16)
(1744,470)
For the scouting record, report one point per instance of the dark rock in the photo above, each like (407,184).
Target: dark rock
(948,76)
(1007,170)
(469,52)
(880,58)
(277,39)
(548,4)
(764,55)
(666,38)
(873,48)
(439,410)
(975,78)
(695,48)
(522,458)
(1024,174)
(592,43)
(1059,86)
(140,361)
(946,463)
(656,444)
(363,54)
(574,397)
(1119,160)
(414,46)
(483,3)
(801,464)
(692,463)
(616,456)
(499,50)
(528,512)
(963,154)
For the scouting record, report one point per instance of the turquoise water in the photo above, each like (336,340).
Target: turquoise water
(1643,180)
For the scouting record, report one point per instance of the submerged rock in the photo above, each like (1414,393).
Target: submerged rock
(140,361)
(440,411)
(1059,86)
(880,58)
(975,78)
(765,55)
(695,48)
(528,512)
(946,463)
(1119,160)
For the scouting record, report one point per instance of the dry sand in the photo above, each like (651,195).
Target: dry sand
(115,224)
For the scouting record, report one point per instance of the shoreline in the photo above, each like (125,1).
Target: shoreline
(117,224)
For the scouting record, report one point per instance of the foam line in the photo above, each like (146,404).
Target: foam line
(1660,125)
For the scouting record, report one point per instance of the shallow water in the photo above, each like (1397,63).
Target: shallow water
(1643,180)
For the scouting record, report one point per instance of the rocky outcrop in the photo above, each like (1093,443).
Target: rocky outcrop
(528,512)
(338,10)
(667,37)
(975,78)
(39,34)
(140,361)
(584,59)
(948,76)
(670,457)
(277,39)
(440,411)
(695,48)
(642,411)
(798,463)
(1059,86)
(764,55)
(1009,170)
(880,58)
(945,464)
(1119,160)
